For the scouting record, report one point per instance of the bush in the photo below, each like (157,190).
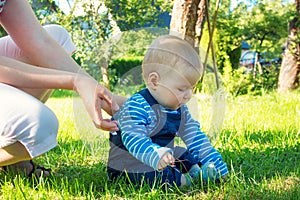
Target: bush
(125,72)
(240,82)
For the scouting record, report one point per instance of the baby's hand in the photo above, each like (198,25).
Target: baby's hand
(166,159)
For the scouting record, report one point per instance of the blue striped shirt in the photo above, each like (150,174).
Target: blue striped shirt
(137,120)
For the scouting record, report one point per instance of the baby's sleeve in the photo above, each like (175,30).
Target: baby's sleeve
(199,145)
(133,121)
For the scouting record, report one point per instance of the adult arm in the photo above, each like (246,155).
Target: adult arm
(23,27)
(19,21)
(19,74)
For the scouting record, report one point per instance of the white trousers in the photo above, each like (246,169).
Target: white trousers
(23,118)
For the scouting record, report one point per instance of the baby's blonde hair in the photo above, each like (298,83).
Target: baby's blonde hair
(170,53)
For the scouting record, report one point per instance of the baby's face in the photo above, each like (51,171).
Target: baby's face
(176,88)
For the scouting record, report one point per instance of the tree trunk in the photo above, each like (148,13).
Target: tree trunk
(290,66)
(188,17)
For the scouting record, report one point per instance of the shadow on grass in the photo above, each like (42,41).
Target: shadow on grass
(270,168)
(269,173)
(260,174)
(265,163)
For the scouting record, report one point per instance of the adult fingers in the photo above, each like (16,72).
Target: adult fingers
(107,125)
(108,97)
(101,123)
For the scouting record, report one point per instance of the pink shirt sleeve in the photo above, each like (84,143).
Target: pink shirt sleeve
(62,36)
(8,48)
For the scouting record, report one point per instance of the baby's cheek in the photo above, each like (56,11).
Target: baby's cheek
(176,97)
(180,97)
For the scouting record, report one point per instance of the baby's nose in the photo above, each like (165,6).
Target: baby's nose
(188,94)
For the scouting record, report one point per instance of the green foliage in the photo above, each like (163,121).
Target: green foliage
(131,14)
(133,43)
(123,65)
(46,11)
(89,31)
(237,81)
(2,32)
(127,50)
(229,37)
(119,67)
(266,82)
(265,26)
(241,82)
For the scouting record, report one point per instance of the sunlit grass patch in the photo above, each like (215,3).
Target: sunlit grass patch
(259,140)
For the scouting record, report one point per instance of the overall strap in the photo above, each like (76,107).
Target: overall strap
(148,97)
(160,116)
(116,138)
(167,123)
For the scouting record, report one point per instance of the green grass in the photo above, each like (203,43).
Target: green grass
(260,141)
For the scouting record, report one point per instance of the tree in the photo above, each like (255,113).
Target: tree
(188,17)
(290,67)
(229,35)
(91,27)
(263,26)
(132,14)
(46,11)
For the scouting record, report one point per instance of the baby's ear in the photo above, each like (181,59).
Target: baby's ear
(153,79)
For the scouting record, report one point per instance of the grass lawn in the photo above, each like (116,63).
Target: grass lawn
(259,140)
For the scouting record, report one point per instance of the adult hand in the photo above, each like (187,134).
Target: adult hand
(95,97)
(166,159)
